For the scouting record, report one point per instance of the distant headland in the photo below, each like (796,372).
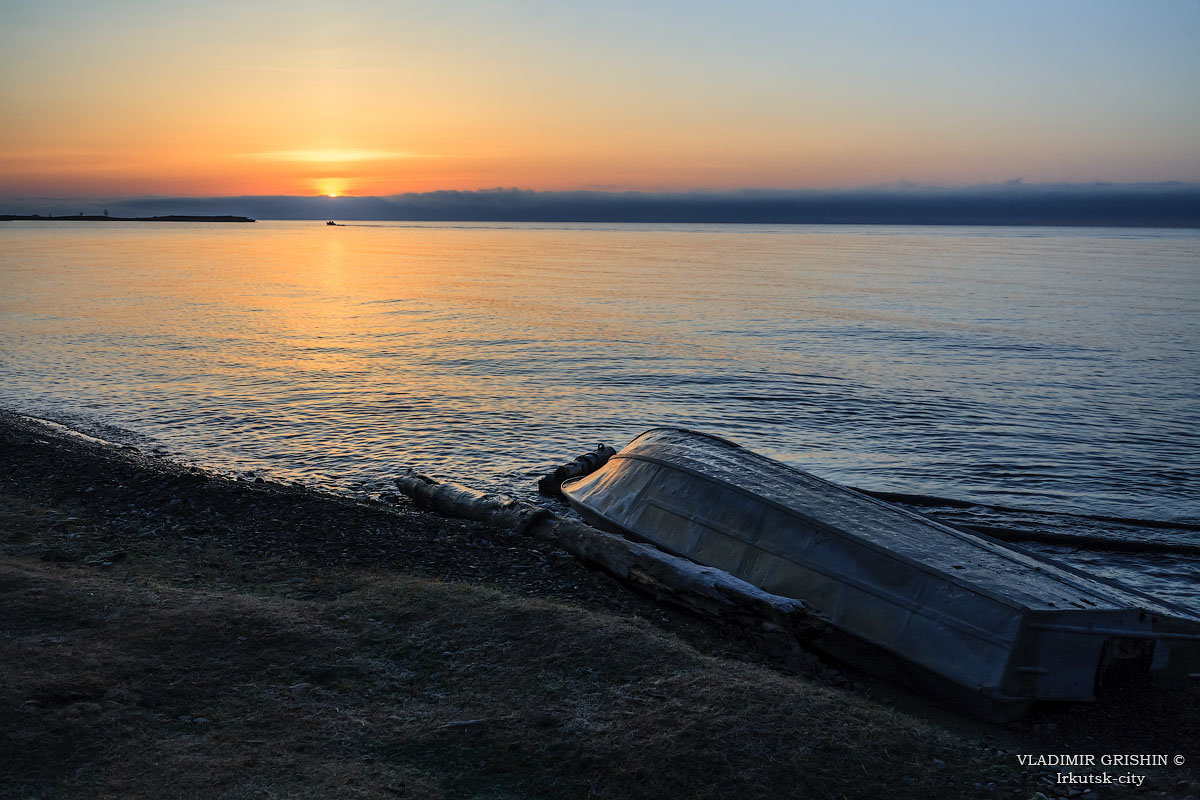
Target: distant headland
(106,218)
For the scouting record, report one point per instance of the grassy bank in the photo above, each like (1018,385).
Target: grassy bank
(170,633)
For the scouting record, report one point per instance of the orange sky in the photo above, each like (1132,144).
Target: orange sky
(128,98)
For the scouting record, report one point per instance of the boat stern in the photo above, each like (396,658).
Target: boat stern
(1076,655)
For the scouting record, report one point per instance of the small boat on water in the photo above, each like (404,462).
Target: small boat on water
(991,624)
(331,222)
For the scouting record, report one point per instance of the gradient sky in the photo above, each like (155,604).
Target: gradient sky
(375,98)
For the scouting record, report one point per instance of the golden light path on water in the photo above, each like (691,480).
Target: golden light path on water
(1046,369)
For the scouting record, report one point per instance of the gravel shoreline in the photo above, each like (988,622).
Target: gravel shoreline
(143,501)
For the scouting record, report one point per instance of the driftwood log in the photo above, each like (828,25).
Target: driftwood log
(707,591)
(551,483)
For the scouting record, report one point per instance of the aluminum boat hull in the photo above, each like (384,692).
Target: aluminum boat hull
(986,619)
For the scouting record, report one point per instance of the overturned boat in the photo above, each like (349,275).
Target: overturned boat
(994,625)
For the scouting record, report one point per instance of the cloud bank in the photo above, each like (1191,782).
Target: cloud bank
(1011,203)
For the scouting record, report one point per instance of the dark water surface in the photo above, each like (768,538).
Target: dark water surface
(1040,370)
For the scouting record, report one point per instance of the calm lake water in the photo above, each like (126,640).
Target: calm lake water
(1041,370)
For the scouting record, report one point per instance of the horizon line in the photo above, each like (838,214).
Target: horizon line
(1172,204)
(1011,184)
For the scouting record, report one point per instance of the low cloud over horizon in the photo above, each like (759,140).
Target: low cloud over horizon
(1167,204)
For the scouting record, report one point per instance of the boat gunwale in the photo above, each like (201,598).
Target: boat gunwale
(990,545)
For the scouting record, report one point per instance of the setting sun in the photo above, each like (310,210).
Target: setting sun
(331,187)
(403,97)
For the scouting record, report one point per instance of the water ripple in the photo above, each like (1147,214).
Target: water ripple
(1047,370)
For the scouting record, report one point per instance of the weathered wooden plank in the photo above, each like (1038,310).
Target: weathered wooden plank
(704,590)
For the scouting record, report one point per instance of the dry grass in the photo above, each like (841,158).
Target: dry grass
(413,688)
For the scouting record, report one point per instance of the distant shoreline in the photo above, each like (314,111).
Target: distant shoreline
(101,218)
(1160,205)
